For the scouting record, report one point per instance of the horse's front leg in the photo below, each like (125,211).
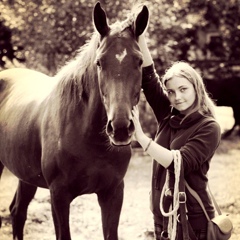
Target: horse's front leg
(60,203)
(111,205)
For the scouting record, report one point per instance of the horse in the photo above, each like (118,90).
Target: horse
(225,92)
(71,133)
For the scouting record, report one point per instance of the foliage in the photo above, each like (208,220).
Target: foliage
(7,51)
(221,16)
(51,31)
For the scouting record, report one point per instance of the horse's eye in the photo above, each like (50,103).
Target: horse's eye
(140,62)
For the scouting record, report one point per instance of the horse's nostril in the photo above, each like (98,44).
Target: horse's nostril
(109,127)
(131,127)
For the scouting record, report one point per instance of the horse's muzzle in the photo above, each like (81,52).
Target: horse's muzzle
(120,132)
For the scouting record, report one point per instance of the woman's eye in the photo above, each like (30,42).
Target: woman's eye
(169,92)
(183,89)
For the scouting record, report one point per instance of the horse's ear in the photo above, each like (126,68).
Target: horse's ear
(141,21)
(100,20)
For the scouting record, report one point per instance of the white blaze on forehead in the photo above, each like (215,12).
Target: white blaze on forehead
(121,55)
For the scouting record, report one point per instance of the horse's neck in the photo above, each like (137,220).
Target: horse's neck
(91,117)
(78,90)
(79,103)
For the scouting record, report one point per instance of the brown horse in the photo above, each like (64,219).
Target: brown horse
(71,133)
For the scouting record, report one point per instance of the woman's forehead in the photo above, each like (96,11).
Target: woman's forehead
(176,82)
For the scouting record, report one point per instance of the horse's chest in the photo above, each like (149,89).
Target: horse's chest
(104,176)
(93,171)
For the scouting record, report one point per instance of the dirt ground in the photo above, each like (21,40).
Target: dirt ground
(136,219)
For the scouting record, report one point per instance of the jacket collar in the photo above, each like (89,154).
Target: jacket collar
(180,121)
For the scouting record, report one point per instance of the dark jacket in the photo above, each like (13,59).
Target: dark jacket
(197,138)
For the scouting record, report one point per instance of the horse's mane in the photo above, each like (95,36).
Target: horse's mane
(78,75)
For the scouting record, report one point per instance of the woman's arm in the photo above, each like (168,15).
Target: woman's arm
(151,85)
(162,155)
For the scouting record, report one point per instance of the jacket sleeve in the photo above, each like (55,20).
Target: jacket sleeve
(154,92)
(200,148)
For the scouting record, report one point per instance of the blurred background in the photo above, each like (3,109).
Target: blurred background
(45,34)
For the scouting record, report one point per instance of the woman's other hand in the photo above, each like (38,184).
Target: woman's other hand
(138,128)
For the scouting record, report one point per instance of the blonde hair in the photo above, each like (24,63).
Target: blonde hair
(203,103)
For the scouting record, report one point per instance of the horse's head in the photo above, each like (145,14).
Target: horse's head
(119,62)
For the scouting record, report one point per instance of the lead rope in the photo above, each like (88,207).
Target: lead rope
(172,214)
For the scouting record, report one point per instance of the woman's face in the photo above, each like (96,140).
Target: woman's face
(181,94)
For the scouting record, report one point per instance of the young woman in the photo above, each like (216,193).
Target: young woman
(185,116)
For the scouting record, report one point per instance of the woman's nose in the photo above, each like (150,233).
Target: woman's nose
(177,95)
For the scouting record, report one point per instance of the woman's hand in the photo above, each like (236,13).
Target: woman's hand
(138,128)
(147,58)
